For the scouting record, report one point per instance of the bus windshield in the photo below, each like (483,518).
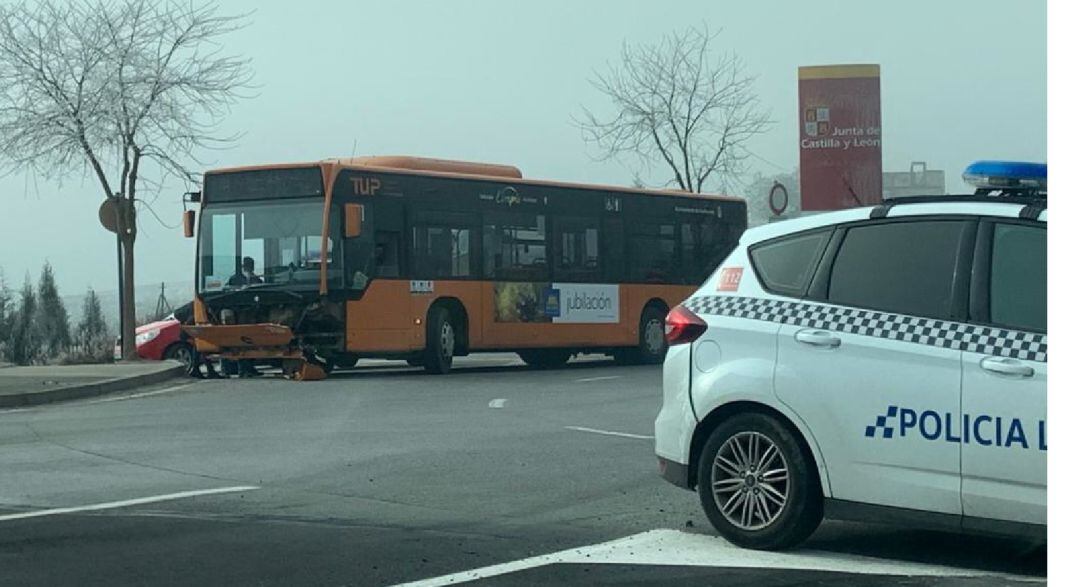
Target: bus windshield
(265,243)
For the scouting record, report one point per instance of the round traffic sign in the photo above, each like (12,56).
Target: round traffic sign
(115,212)
(778,198)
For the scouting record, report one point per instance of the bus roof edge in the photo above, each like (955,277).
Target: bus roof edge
(438,165)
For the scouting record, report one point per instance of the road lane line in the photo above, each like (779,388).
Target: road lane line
(604,378)
(125,503)
(497,403)
(609,432)
(138,395)
(665,547)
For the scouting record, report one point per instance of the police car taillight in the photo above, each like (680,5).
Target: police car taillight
(1006,175)
(683,326)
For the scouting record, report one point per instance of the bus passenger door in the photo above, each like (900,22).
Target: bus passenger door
(379,320)
(517,259)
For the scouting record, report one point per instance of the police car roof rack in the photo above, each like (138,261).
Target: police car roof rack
(1005,182)
(1032,203)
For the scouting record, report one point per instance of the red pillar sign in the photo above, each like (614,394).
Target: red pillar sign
(839,136)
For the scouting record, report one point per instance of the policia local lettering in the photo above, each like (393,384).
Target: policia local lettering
(982,429)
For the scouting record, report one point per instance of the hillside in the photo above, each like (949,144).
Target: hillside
(146,298)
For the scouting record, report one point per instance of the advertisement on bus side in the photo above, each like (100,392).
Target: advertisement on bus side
(560,303)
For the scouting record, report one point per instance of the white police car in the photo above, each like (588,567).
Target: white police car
(881,364)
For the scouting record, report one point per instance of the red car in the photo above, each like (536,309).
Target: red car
(160,340)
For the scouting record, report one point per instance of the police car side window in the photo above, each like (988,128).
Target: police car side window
(1018,277)
(902,267)
(785,266)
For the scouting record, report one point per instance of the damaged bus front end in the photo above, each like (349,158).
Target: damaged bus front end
(270,284)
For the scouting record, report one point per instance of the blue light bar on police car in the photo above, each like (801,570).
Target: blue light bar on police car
(998,175)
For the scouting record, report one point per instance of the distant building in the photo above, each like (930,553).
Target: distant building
(917,181)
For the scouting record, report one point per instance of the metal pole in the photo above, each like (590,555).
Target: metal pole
(120,278)
(120,286)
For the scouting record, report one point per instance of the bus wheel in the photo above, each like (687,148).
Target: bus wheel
(652,342)
(545,358)
(441,337)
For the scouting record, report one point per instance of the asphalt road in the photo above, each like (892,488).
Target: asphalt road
(381,475)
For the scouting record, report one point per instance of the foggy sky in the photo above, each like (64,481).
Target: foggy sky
(498,81)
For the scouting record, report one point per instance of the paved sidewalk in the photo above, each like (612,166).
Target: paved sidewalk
(25,386)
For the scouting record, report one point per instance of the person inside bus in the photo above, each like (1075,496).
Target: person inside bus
(246,276)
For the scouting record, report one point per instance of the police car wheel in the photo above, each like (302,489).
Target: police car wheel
(757,485)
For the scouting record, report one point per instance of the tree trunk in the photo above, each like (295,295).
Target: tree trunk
(128,231)
(128,319)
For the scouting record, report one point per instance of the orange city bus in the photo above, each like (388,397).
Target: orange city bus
(321,264)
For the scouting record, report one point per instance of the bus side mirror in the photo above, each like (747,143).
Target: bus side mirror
(354,220)
(189,223)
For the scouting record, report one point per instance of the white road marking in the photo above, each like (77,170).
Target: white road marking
(126,503)
(138,395)
(605,378)
(672,547)
(497,403)
(609,432)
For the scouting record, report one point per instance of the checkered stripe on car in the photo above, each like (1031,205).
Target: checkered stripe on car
(985,340)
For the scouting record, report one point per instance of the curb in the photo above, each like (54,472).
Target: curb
(71,392)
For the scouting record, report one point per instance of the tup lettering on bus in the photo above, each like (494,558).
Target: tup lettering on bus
(981,429)
(366,186)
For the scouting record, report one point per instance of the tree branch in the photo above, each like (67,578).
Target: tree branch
(678,103)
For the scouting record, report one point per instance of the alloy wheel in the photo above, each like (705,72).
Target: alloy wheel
(183,354)
(750,480)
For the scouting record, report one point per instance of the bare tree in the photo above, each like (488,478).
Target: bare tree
(677,104)
(111,88)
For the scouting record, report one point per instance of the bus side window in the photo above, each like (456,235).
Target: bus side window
(652,252)
(515,247)
(700,248)
(387,254)
(577,257)
(611,250)
(443,251)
